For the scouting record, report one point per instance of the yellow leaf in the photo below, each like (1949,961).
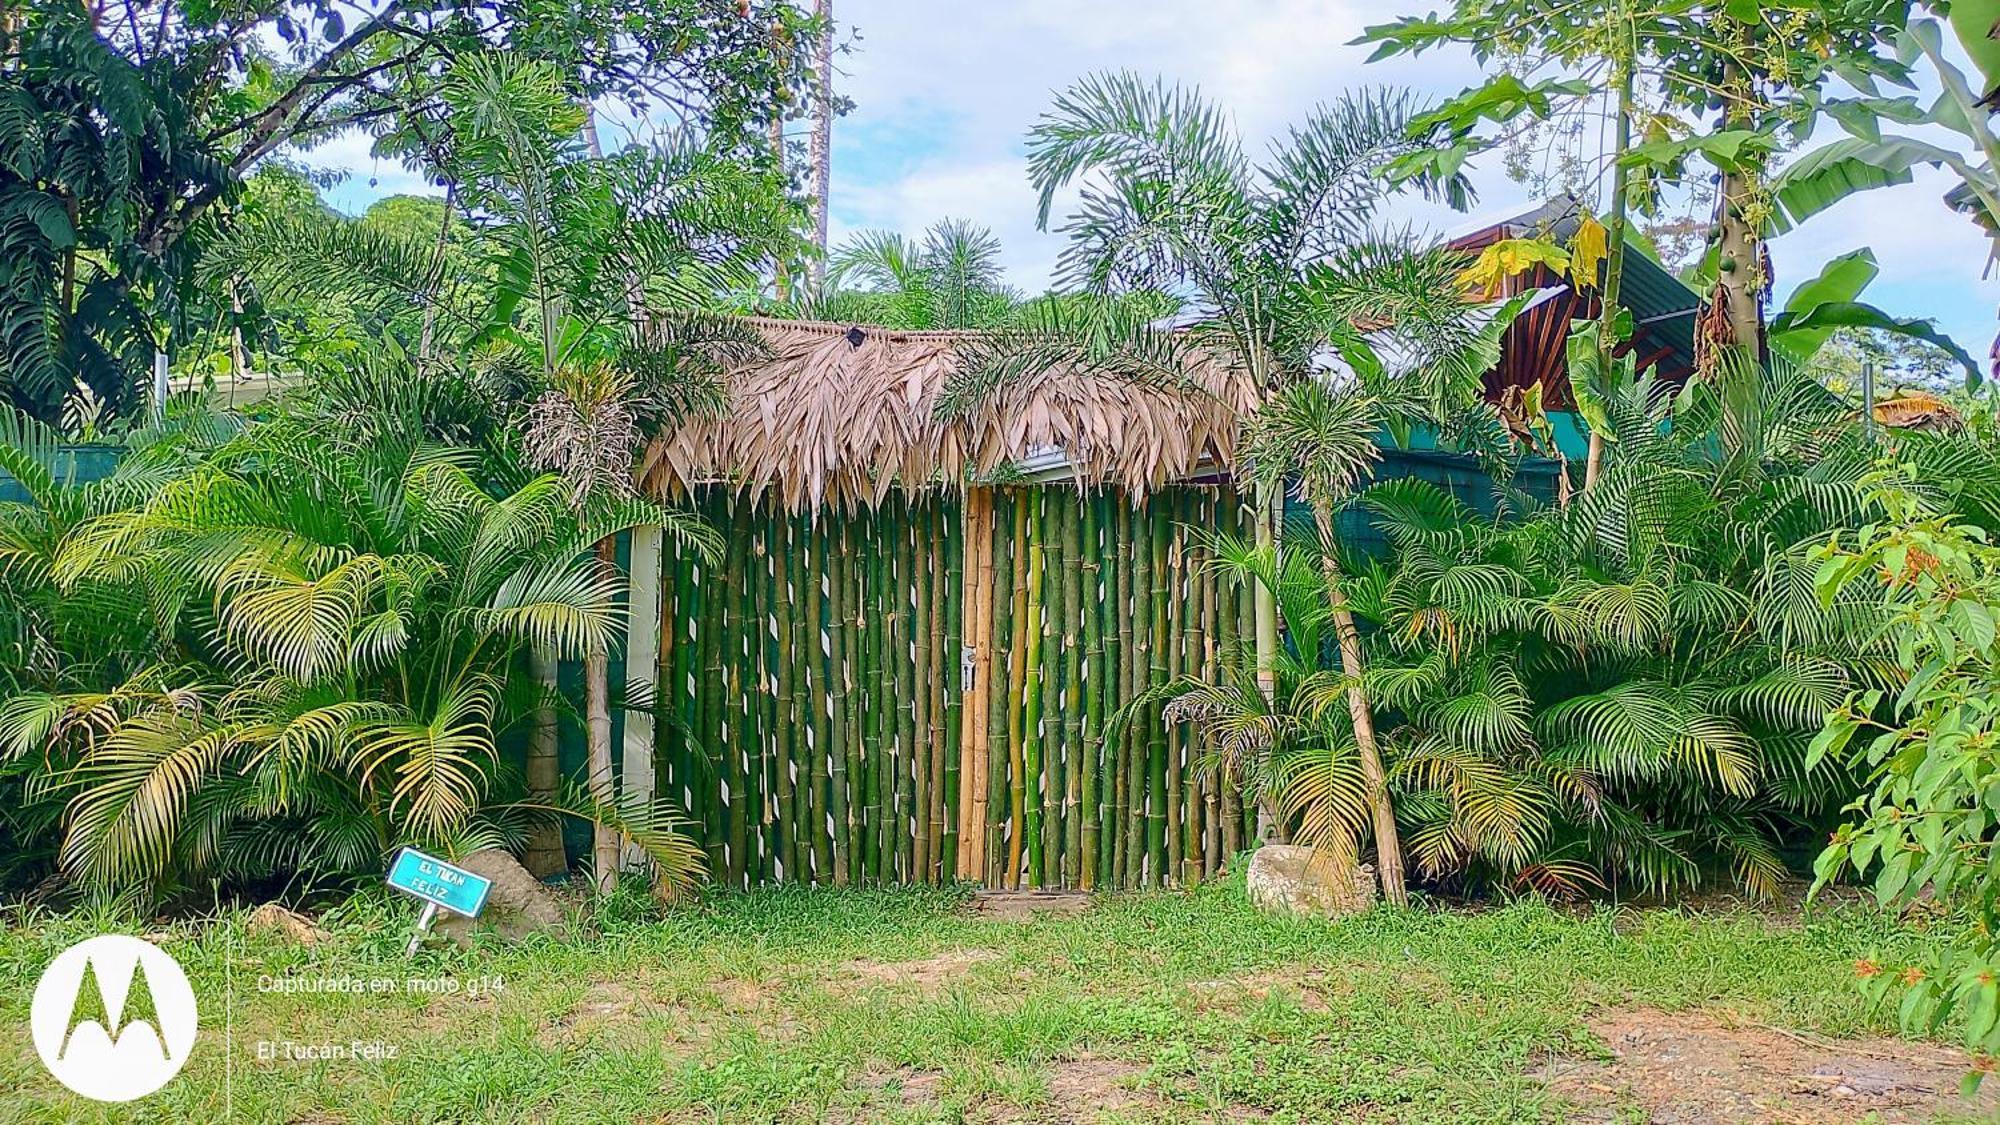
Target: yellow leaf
(1511,257)
(1587,250)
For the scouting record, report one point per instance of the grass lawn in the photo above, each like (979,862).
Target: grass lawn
(866,1005)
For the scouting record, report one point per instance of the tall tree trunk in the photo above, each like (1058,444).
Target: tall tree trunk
(1270,501)
(1738,318)
(1388,842)
(597,713)
(781,269)
(1614,262)
(545,844)
(822,137)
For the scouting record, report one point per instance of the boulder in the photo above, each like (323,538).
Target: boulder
(1294,880)
(272,918)
(518,904)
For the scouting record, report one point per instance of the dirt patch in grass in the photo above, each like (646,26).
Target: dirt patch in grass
(910,1086)
(1024,906)
(1702,1067)
(605,1006)
(931,975)
(1234,994)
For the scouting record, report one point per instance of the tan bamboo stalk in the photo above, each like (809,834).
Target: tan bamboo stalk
(978,595)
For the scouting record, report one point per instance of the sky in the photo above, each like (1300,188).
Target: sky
(945,92)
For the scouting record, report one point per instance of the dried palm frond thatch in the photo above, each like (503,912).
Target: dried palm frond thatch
(836,415)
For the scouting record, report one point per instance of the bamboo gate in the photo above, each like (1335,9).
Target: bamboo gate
(924,690)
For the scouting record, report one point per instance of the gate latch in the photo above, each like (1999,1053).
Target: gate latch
(968,660)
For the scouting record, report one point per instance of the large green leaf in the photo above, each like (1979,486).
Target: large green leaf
(1829,315)
(1832,172)
(1842,279)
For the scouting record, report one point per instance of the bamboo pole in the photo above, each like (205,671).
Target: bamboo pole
(999,695)
(763,757)
(1075,760)
(1018,665)
(840,743)
(1088,793)
(817,568)
(1033,688)
(945,692)
(978,597)
(908,673)
(1157,656)
(1054,611)
(1125,863)
(1175,654)
(874,736)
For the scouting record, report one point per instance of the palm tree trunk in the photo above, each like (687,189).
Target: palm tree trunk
(1270,501)
(597,705)
(1614,262)
(1388,843)
(545,844)
(822,136)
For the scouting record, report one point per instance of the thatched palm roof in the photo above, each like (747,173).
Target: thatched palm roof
(843,415)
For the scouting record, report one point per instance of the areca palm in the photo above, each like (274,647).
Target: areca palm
(345,618)
(948,278)
(588,250)
(1171,202)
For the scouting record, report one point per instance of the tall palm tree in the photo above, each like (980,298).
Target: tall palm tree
(588,249)
(949,278)
(1170,202)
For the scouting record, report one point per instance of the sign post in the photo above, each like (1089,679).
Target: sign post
(439,886)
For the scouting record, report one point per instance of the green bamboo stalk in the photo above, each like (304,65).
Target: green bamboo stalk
(736,734)
(948,597)
(764,701)
(1031,698)
(907,673)
(715,597)
(840,586)
(1075,754)
(871,633)
(1018,673)
(1157,655)
(1120,552)
(924,557)
(813,567)
(1142,661)
(1211,839)
(1054,611)
(999,737)
(785,732)
(1092,610)
(1176,638)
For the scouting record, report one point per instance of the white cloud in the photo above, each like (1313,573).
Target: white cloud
(945,93)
